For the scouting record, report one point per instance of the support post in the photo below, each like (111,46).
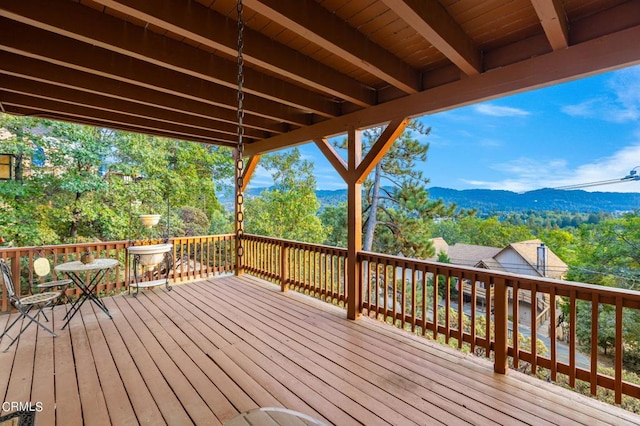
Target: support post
(354,226)
(500,319)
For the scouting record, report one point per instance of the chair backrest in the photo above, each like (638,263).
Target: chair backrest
(41,267)
(7,280)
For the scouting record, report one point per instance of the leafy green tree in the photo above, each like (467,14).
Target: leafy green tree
(24,219)
(75,154)
(289,209)
(334,219)
(484,232)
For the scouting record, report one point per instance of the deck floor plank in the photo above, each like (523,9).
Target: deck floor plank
(208,350)
(144,407)
(374,398)
(68,407)
(188,340)
(156,384)
(443,384)
(189,397)
(43,387)
(94,406)
(364,375)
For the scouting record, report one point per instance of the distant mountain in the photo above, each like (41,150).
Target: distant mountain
(487,201)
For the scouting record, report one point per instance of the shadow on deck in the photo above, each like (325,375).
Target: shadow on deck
(207,351)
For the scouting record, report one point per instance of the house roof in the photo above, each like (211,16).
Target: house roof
(312,68)
(528,250)
(471,255)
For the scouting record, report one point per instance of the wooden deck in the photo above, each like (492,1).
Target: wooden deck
(207,351)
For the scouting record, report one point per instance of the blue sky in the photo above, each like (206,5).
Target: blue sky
(579,132)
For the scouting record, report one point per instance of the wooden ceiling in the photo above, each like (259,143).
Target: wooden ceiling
(313,68)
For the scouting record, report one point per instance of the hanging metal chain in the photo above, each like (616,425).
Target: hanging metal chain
(240,146)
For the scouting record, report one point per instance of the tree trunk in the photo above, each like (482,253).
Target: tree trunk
(372,222)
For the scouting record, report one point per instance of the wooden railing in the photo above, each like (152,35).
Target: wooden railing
(194,258)
(423,297)
(313,269)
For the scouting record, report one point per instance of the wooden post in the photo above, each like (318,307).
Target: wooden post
(284,267)
(501,325)
(354,226)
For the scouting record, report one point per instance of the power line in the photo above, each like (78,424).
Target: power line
(632,176)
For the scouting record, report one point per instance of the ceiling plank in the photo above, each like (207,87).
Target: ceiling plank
(33,69)
(196,22)
(75,97)
(602,54)
(46,46)
(432,21)
(144,124)
(99,29)
(320,26)
(554,22)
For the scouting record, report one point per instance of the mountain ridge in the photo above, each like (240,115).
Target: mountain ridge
(487,201)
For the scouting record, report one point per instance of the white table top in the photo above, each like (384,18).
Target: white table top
(96,265)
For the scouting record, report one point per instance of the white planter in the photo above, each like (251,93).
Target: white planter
(152,254)
(149,220)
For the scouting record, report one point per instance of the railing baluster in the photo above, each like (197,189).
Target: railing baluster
(515,323)
(534,328)
(619,349)
(552,333)
(572,338)
(594,342)
(474,283)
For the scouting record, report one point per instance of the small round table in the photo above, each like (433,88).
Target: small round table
(76,271)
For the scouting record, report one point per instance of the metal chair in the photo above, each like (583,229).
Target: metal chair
(44,280)
(25,305)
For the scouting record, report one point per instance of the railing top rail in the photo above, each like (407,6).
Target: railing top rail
(99,243)
(295,243)
(560,285)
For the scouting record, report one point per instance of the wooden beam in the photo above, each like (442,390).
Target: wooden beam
(57,94)
(88,113)
(197,21)
(98,29)
(598,55)
(554,22)
(91,121)
(432,21)
(44,72)
(333,157)
(250,167)
(320,26)
(393,130)
(354,226)
(46,46)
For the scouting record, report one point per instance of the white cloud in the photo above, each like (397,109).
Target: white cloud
(621,105)
(527,174)
(499,111)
